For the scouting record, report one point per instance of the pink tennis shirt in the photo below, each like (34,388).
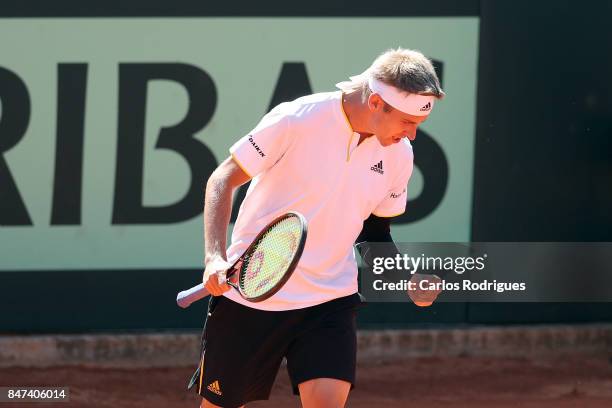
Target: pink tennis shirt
(303,156)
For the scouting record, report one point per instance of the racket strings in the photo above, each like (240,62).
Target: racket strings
(265,265)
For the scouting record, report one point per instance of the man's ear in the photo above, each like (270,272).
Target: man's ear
(375,102)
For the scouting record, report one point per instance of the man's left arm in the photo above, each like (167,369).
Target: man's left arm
(378,230)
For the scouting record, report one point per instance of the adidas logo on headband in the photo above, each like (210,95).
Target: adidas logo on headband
(426,107)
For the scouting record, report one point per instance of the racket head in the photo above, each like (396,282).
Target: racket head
(272,257)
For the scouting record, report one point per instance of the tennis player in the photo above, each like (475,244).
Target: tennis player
(343,159)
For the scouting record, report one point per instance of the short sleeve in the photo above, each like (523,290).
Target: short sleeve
(394,202)
(261,148)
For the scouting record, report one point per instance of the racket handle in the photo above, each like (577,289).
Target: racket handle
(185,298)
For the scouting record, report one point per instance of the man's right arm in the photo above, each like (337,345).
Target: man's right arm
(217,211)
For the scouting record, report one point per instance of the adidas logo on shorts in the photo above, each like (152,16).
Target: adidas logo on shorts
(214,387)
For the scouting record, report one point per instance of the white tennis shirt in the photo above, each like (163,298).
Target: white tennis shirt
(303,156)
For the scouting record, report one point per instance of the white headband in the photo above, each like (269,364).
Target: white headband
(412,104)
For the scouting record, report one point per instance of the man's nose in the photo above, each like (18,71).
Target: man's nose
(410,133)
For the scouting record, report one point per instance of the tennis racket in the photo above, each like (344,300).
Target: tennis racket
(266,264)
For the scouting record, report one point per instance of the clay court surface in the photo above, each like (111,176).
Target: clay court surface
(426,382)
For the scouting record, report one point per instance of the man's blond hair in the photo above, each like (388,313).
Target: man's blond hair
(407,70)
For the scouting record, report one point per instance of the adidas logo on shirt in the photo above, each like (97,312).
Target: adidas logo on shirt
(426,107)
(378,167)
(214,387)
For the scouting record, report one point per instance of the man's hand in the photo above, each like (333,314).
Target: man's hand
(425,297)
(215,276)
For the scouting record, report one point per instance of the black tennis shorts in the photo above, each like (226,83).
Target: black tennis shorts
(242,348)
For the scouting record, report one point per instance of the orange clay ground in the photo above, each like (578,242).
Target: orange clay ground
(581,382)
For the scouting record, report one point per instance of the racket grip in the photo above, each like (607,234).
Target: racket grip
(185,298)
